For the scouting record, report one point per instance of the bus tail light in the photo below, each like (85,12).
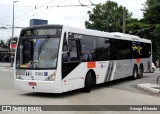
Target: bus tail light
(51,77)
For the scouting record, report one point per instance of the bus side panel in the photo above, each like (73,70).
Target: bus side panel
(123,69)
(75,79)
(105,71)
(146,62)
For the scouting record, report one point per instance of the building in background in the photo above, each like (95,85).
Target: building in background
(38,22)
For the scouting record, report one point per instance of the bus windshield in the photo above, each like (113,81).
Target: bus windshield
(37,52)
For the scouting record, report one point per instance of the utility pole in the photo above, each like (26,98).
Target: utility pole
(124,22)
(12,55)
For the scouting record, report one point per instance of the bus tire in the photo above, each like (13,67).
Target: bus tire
(88,82)
(140,71)
(135,72)
(152,70)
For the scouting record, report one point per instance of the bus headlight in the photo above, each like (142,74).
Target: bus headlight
(18,76)
(51,77)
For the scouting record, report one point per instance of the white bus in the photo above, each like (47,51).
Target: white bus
(57,58)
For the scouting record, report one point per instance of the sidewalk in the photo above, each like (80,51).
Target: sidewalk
(152,89)
(4,65)
(157,70)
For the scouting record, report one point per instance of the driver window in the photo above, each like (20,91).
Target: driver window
(73,50)
(71,55)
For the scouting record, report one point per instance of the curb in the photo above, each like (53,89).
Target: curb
(152,89)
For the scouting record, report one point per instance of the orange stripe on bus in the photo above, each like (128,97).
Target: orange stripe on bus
(91,65)
(138,60)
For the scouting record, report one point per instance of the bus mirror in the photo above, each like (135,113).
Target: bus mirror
(65,42)
(66,38)
(65,45)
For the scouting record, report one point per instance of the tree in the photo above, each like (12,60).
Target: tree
(135,27)
(151,13)
(3,44)
(107,17)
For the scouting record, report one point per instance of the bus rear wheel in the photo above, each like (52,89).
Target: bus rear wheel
(140,73)
(135,73)
(88,82)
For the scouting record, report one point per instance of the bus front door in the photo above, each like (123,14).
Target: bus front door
(70,60)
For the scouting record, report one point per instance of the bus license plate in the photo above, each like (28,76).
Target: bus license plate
(32,84)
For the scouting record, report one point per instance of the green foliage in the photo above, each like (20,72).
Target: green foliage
(107,17)
(3,44)
(135,27)
(151,2)
(152,12)
(152,18)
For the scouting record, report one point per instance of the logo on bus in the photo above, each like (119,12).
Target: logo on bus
(137,48)
(78,36)
(28,73)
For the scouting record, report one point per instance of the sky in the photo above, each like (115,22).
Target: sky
(37,9)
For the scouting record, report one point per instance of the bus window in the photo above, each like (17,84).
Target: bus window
(70,59)
(73,50)
(88,46)
(38,53)
(72,54)
(103,49)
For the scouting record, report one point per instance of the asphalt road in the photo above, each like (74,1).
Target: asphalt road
(119,92)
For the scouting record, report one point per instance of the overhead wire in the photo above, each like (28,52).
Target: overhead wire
(86,5)
(57,5)
(47,7)
(35,8)
(91,2)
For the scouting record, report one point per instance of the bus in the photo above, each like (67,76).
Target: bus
(59,58)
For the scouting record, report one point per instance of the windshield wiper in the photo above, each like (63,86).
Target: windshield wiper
(36,61)
(32,63)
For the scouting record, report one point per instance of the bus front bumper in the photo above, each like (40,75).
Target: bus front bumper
(39,86)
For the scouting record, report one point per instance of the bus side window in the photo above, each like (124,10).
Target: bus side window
(88,46)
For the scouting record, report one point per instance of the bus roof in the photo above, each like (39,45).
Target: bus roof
(118,34)
(115,35)
(41,26)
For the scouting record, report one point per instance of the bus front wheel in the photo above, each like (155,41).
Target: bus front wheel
(88,82)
